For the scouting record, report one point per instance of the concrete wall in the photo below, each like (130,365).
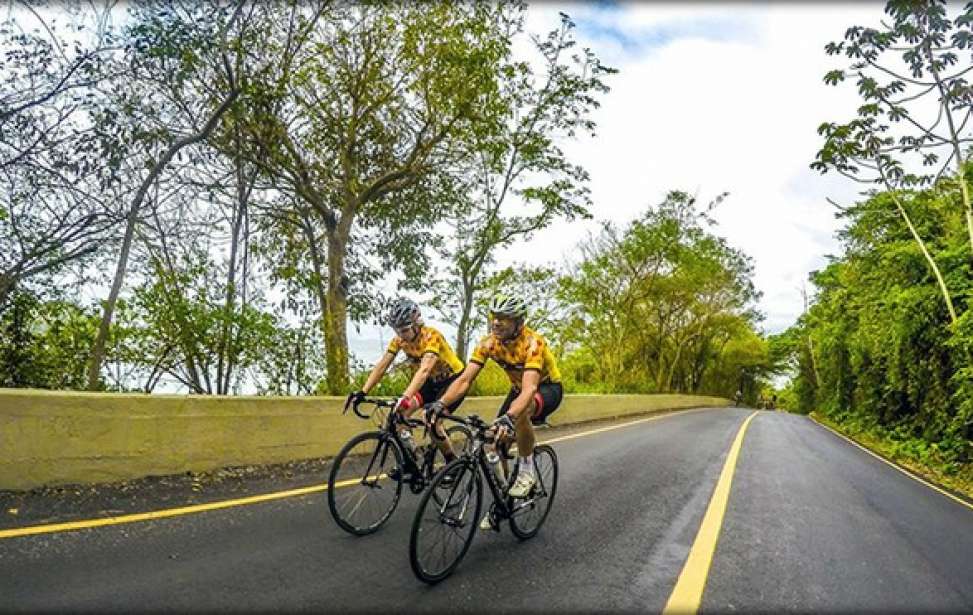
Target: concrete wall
(51,438)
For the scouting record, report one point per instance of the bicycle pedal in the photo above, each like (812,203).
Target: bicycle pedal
(398,475)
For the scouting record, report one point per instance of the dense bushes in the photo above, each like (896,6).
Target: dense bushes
(886,357)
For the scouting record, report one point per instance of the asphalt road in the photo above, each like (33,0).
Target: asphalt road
(812,524)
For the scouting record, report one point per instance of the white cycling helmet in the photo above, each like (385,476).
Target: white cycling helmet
(503,304)
(403,312)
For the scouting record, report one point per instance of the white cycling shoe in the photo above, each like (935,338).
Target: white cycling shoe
(521,488)
(487,523)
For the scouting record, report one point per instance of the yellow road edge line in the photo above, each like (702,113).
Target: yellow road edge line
(688,592)
(255,499)
(896,466)
(169,512)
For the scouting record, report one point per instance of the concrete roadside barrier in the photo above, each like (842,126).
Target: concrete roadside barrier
(53,438)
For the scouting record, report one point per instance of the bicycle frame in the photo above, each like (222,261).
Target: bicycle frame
(418,469)
(506,506)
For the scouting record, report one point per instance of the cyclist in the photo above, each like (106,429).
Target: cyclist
(535,381)
(427,353)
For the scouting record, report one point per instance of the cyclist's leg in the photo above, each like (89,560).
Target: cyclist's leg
(548,398)
(503,446)
(525,431)
(431,392)
(526,440)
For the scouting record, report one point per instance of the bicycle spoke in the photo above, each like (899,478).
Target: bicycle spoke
(361,494)
(443,528)
(361,500)
(527,519)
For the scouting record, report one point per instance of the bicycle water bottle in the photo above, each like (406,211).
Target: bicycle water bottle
(494,460)
(408,440)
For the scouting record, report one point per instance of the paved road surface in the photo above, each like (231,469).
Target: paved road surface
(812,524)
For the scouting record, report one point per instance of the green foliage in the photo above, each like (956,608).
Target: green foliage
(662,306)
(516,152)
(178,326)
(46,343)
(491,380)
(886,358)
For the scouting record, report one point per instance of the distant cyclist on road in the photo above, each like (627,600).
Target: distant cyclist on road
(435,366)
(535,381)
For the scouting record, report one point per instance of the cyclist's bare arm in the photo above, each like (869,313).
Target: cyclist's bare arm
(378,371)
(528,386)
(428,363)
(462,384)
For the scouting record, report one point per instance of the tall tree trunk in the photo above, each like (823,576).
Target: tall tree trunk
(957,151)
(228,350)
(7,283)
(463,330)
(929,259)
(98,348)
(335,318)
(224,362)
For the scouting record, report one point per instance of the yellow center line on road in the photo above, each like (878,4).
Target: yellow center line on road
(256,499)
(688,592)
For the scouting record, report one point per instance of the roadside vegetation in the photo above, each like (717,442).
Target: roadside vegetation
(885,351)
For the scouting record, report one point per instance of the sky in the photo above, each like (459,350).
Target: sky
(709,97)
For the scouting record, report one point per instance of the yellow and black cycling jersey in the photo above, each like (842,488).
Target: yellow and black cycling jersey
(429,340)
(529,350)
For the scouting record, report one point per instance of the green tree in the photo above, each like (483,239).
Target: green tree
(184,69)
(45,342)
(663,305)
(518,157)
(51,215)
(356,129)
(887,356)
(907,122)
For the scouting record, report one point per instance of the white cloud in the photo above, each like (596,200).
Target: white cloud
(712,97)
(710,112)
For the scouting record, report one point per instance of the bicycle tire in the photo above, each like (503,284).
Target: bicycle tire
(341,489)
(429,518)
(526,524)
(458,435)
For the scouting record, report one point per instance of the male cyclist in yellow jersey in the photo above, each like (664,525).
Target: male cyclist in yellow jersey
(428,354)
(535,383)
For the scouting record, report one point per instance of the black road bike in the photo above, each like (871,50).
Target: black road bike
(447,518)
(368,473)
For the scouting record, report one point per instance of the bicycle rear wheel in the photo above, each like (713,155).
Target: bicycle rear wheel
(361,495)
(530,513)
(443,528)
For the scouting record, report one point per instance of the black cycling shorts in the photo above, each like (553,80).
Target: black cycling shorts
(548,398)
(431,391)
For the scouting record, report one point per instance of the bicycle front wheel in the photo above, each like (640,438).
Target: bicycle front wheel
(361,495)
(529,513)
(461,441)
(443,528)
